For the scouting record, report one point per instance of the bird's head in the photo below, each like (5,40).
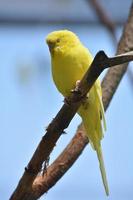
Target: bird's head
(59,41)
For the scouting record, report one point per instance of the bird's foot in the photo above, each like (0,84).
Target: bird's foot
(76,89)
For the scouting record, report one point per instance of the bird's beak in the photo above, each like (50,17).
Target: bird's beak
(51,45)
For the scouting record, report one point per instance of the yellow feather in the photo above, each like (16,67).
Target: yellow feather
(70,60)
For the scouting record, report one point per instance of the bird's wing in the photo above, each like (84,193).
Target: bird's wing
(99,94)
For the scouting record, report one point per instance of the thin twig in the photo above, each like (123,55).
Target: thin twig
(104,17)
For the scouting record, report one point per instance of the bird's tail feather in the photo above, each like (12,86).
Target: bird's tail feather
(102,169)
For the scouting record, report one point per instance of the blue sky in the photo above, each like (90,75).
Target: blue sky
(29,101)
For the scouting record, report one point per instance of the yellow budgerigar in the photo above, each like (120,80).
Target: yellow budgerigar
(70,60)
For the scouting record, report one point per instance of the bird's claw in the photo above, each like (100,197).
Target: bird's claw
(76,89)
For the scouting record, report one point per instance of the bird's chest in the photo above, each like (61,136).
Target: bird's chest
(66,71)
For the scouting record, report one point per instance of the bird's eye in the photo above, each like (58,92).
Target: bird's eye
(58,40)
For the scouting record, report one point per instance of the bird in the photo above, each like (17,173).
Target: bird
(70,60)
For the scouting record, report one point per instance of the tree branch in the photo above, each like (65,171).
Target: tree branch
(103,17)
(28,187)
(114,75)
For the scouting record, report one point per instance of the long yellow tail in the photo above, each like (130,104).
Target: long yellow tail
(92,112)
(102,169)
